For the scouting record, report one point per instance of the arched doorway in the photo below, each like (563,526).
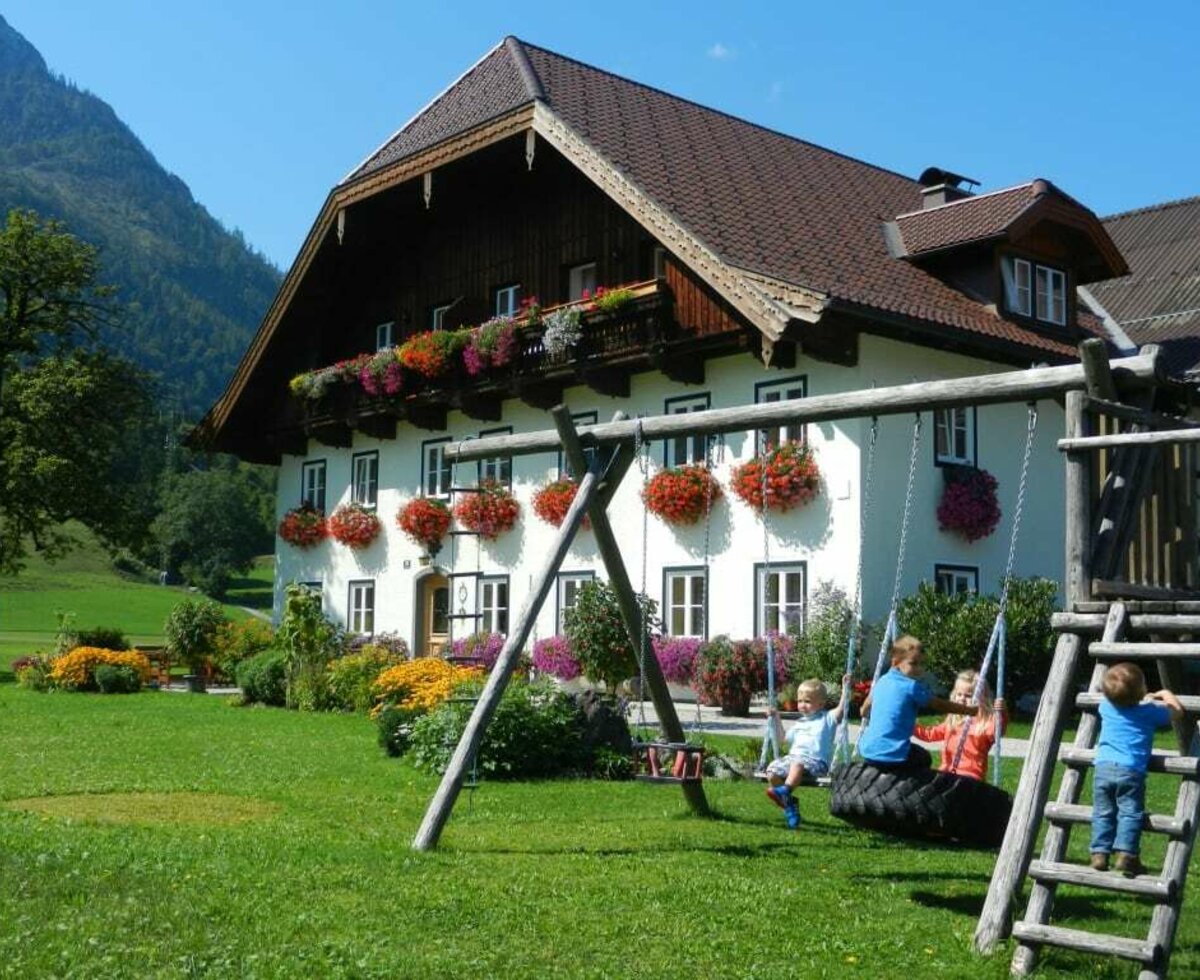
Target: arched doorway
(432,610)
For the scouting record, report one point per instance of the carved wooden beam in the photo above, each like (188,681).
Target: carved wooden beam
(538,393)
(378,426)
(687,369)
(337,435)
(612,381)
(484,408)
(431,417)
(293,442)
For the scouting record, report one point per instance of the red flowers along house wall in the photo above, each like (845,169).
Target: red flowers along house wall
(792,478)
(969,506)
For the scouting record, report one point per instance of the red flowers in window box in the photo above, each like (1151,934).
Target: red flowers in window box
(490,511)
(792,478)
(303,526)
(552,501)
(682,494)
(354,526)
(431,354)
(969,506)
(426,521)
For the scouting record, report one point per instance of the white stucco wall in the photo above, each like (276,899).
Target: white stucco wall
(825,534)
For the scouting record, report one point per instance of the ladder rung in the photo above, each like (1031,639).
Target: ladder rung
(1144,651)
(1138,623)
(475,615)
(1091,701)
(1159,823)
(462,533)
(1148,886)
(1176,765)
(465,490)
(1139,950)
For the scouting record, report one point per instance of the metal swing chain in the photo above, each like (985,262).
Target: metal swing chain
(708,495)
(641,451)
(770,744)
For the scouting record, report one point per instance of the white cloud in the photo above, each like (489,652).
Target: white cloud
(719,52)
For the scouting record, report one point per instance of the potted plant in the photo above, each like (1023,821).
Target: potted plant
(561,332)
(489,511)
(426,521)
(969,506)
(303,526)
(552,501)
(552,655)
(681,494)
(354,525)
(491,345)
(787,697)
(381,375)
(730,673)
(191,631)
(432,352)
(791,478)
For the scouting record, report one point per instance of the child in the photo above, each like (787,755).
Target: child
(886,742)
(1127,724)
(810,746)
(982,735)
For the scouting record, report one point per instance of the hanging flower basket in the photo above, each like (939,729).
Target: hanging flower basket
(969,506)
(354,526)
(426,521)
(490,511)
(792,478)
(682,494)
(303,526)
(552,501)
(491,345)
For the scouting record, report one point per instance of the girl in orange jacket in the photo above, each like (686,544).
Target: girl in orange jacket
(983,732)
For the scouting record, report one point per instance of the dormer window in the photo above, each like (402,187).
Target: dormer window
(1034,290)
(384,336)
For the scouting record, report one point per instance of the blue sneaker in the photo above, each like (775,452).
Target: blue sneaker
(791,813)
(780,795)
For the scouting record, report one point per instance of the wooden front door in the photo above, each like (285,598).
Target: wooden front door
(435,610)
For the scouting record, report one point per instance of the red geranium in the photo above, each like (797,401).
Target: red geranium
(303,526)
(489,511)
(354,525)
(792,478)
(426,521)
(552,501)
(969,506)
(681,495)
(430,354)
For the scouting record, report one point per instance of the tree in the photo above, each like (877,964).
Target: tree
(71,413)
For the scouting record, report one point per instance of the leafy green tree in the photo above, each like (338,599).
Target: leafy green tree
(598,638)
(71,413)
(191,631)
(310,642)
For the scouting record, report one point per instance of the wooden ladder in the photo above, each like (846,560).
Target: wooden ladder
(1157,633)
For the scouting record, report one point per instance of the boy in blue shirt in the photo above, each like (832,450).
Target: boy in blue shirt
(893,705)
(1127,724)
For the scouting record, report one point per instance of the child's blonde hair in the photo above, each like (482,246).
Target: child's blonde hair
(970,677)
(905,648)
(1124,684)
(815,688)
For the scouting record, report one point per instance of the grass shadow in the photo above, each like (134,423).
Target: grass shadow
(969,905)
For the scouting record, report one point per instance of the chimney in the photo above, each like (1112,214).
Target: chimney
(940,187)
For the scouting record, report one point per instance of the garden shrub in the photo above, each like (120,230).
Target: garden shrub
(552,655)
(420,684)
(955,631)
(395,727)
(310,642)
(263,678)
(76,671)
(730,672)
(677,657)
(33,672)
(105,637)
(191,632)
(117,679)
(597,634)
(238,641)
(351,677)
(484,647)
(819,650)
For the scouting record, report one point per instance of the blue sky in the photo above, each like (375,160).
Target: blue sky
(261,106)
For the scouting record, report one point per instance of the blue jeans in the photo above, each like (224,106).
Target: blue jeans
(1118,809)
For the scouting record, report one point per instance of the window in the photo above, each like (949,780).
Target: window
(568,590)
(581,278)
(767,392)
(508,299)
(493,604)
(580,418)
(954,436)
(1018,286)
(364,479)
(437,320)
(499,468)
(361,618)
(1039,291)
(1051,295)
(385,336)
(780,597)
(685,449)
(660,262)
(312,484)
(956,579)
(435,468)
(685,601)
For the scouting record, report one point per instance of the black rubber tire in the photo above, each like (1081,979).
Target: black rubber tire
(921,803)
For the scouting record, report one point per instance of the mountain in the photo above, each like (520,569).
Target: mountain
(192,292)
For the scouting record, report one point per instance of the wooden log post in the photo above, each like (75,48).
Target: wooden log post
(1093,355)
(1078,559)
(631,614)
(442,803)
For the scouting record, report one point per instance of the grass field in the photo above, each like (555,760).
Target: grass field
(85,584)
(171,835)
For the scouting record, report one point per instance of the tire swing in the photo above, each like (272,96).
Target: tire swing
(925,803)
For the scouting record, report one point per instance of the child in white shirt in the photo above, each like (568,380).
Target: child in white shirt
(810,746)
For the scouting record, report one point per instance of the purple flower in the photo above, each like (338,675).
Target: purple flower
(485,647)
(553,656)
(677,656)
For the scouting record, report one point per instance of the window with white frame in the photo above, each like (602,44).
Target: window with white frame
(956,579)
(1034,290)
(435,468)
(1018,285)
(361,609)
(437,320)
(312,484)
(768,392)
(685,602)
(954,436)
(781,592)
(685,449)
(498,468)
(581,278)
(493,604)
(364,478)
(569,584)
(1051,295)
(508,300)
(385,335)
(580,418)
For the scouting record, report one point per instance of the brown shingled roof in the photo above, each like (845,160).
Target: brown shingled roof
(971,219)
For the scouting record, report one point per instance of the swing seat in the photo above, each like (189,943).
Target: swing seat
(687,762)
(921,803)
(822,782)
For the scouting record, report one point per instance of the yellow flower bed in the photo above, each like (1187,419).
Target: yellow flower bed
(421,684)
(76,670)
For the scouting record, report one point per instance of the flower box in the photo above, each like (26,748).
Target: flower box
(969,507)
(303,526)
(489,511)
(426,521)
(791,478)
(682,494)
(354,525)
(552,501)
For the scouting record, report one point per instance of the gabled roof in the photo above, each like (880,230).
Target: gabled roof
(971,219)
(1159,301)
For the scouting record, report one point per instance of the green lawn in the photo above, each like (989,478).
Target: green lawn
(263,843)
